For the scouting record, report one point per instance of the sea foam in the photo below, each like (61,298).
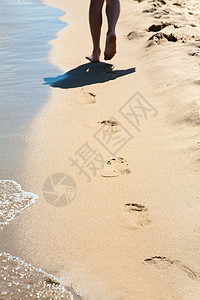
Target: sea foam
(13,200)
(19,280)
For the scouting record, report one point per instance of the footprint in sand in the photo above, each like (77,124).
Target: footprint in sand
(194,53)
(133,35)
(178,3)
(110,127)
(197,82)
(160,38)
(162,262)
(156,4)
(160,26)
(116,167)
(109,123)
(139,213)
(89,98)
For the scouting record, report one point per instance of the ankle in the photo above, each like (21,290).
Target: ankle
(96,51)
(111,33)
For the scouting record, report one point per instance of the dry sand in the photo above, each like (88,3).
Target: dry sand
(104,249)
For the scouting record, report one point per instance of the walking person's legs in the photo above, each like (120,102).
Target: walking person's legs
(95,19)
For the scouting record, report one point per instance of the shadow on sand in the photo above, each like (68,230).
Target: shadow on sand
(87,74)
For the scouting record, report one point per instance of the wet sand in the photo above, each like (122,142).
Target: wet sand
(23,281)
(132,231)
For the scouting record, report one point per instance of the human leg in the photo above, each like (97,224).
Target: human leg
(112,12)
(95,19)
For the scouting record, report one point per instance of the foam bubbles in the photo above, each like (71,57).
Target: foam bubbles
(13,200)
(19,280)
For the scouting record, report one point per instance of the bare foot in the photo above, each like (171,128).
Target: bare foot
(94,57)
(110,49)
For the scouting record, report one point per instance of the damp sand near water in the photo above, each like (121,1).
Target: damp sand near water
(19,280)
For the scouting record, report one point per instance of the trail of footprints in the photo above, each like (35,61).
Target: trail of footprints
(160,10)
(139,212)
(119,166)
(141,216)
(181,18)
(162,262)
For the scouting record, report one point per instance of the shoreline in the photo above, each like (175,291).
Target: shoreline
(14,134)
(19,108)
(94,244)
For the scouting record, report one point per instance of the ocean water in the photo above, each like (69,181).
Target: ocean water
(26,26)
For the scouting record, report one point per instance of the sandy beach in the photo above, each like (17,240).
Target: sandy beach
(132,229)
